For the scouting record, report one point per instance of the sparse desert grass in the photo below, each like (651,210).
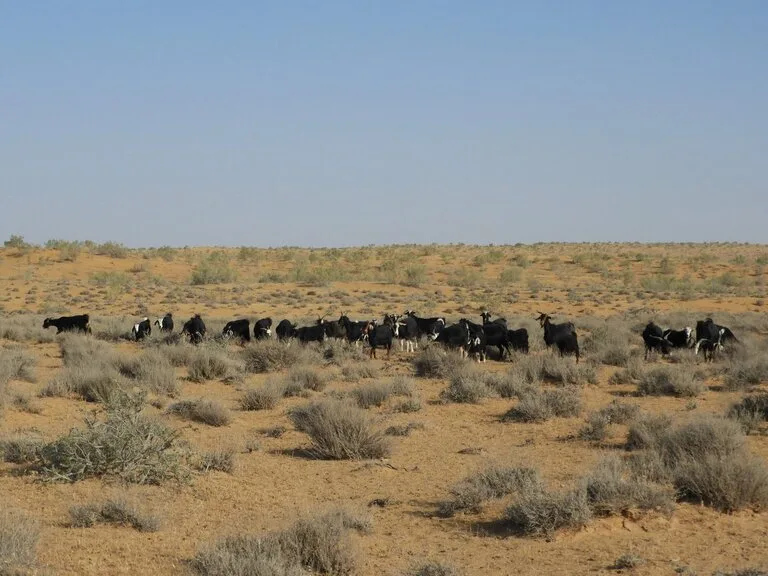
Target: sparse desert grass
(357,371)
(372,394)
(669,381)
(97,382)
(24,403)
(596,426)
(513,384)
(318,542)
(408,404)
(563,370)
(152,370)
(307,378)
(340,430)
(118,511)
(632,373)
(609,343)
(125,444)
(341,352)
(403,429)
(541,405)
(203,410)
(628,562)
(494,481)
(19,535)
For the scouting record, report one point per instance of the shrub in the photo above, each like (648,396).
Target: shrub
(611,489)
(19,534)
(265,397)
(467,385)
(17,365)
(745,373)
(668,381)
(357,371)
(706,436)
(596,427)
(403,430)
(434,362)
(609,343)
(340,430)
(647,430)
(750,412)
(513,384)
(372,394)
(209,365)
(222,460)
(410,404)
(152,370)
(493,482)
(126,444)
(118,512)
(204,411)
(213,269)
(111,249)
(270,356)
(403,386)
(307,378)
(541,405)
(631,374)
(98,382)
(540,512)
(319,543)
(21,448)
(339,352)
(620,413)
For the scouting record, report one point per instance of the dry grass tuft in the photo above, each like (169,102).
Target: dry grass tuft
(19,535)
(435,362)
(118,512)
(340,430)
(541,405)
(431,568)
(540,512)
(204,411)
(222,460)
(669,381)
(493,482)
(319,543)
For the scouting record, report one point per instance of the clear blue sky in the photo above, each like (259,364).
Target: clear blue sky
(356,122)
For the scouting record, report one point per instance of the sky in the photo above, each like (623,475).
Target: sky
(347,123)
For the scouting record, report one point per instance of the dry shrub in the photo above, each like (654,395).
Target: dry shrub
(270,356)
(540,512)
(21,448)
(669,381)
(407,405)
(541,405)
(404,429)
(19,534)
(612,489)
(340,430)
(609,343)
(17,365)
(467,385)
(319,543)
(25,328)
(631,374)
(404,386)
(620,413)
(595,428)
(647,430)
(513,384)
(125,444)
(24,403)
(204,411)
(222,460)
(705,436)
(750,412)
(563,370)
(264,397)
(340,352)
(117,512)
(372,394)
(746,372)
(493,482)
(98,382)
(432,568)
(77,350)
(307,378)
(210,364)
(151,370)
(358,371)
(436,362)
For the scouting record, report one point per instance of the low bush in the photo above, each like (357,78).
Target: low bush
(206,364)
(270,356)
(541,405)
(750,412)
(319,543)
(21,448)
(669,381)
(431,568)
(540,512)
(493,482)
(17,365)
(647,430)
(204,411)
(125,444)
(98,382)
(19,535)
(222,460)
(264,397)
(467,385)
(307,378)
(372,394)
(744,373)
(118,512)
(340,430)
(436,362)
(152,370)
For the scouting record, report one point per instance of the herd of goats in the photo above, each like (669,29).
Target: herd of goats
(470,338)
